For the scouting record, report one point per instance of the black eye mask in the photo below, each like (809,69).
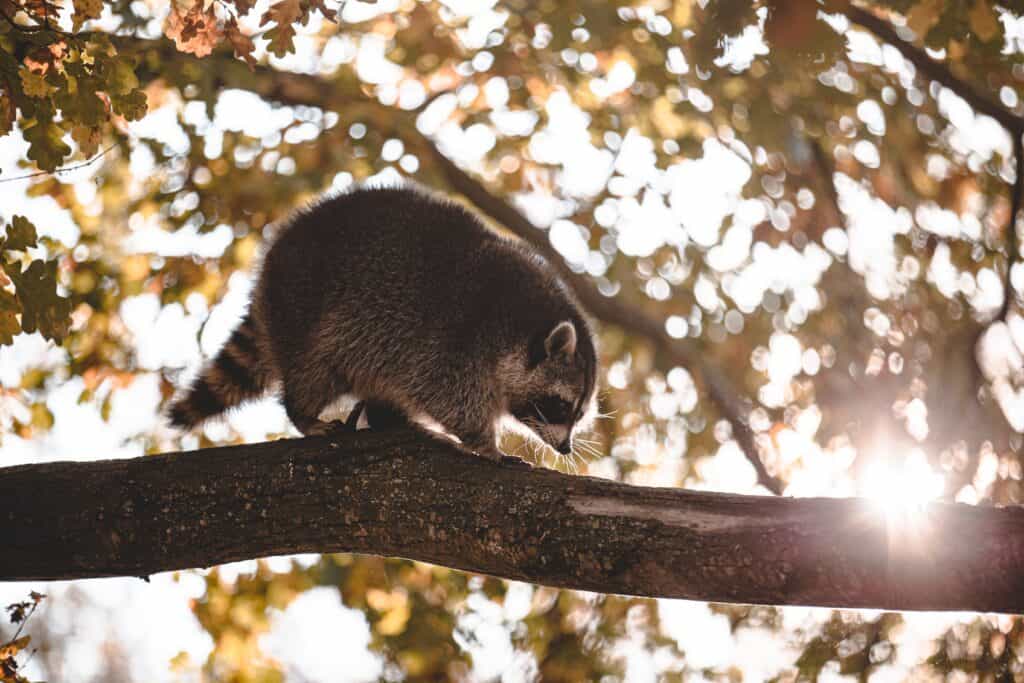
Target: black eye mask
(553,410)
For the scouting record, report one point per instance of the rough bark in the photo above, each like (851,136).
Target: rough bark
(407,495)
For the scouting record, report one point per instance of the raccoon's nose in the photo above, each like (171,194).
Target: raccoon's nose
(565,448)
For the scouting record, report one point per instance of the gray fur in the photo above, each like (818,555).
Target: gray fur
(410,303)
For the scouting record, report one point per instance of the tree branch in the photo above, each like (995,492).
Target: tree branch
(408,495)
(614,312)
(934,70)
(940,73)
(304,89)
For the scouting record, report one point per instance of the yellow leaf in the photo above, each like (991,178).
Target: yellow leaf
(12,648)
(87,139)
(983,20)
(34,84)
(682,12)
(666,120)
(180,662)
(394,621)
(85,10)
(924,15)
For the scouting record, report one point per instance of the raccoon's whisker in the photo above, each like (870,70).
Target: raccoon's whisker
(588,445)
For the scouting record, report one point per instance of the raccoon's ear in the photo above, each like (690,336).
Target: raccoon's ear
(561,341)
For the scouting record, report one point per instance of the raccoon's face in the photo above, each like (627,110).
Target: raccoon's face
(555,390)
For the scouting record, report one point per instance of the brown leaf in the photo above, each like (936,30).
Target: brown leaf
(85,10)
(244,6)
(14,647)
(329,14)
(6,113)
(241,42)
(87,139)
(284,13)
(983,20)
(195,31)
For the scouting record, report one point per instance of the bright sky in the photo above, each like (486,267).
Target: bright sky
(695,201)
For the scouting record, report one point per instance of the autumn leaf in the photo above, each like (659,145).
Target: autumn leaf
(7,113)
(87,139)
(132,106)
(85,10)
(244,6)
(241,43)
(34,84)
(329,14)
(983,20)
(12,648)
(284,13)
(9,310)
(121,78)
(924,15)
(20,235)
(46,145)
(195,31)
(43,309)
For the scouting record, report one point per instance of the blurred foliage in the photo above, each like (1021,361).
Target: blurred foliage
(820,125)
(19,613)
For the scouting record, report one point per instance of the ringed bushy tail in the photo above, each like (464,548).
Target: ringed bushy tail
(237,373)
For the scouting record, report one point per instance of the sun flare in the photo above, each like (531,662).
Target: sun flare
(901,489)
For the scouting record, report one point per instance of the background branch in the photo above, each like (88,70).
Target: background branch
(940,73)
(934,70)
(408,495)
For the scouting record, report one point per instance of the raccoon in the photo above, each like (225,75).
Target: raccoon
(408,302)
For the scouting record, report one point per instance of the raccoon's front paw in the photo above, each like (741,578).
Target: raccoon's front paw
(333,428)
(504,459)
(514,461)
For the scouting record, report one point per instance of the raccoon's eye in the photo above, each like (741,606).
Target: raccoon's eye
(553,410)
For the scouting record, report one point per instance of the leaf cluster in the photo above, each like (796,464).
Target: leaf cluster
(30,300)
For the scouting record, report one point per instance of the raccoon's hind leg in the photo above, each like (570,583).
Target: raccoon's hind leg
(307,393)
(383,416)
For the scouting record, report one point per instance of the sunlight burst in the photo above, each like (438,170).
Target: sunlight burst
(901,490)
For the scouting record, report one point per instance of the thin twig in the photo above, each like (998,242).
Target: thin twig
(20,27)
(63,169)
(24,621)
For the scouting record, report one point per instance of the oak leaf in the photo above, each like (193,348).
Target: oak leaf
(194,30)
(283,13)
(34,84)
(46,145)
(241,42)
(43,309)
(85,10)
(20,235)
